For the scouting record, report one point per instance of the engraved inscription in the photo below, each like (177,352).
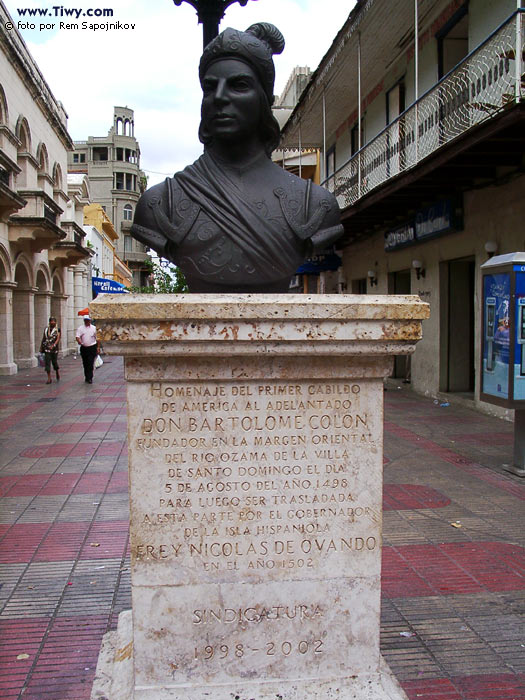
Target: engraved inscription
(250,477)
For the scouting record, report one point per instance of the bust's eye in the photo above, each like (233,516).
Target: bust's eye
(208,86)
(241,84)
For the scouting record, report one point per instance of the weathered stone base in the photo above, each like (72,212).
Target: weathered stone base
(114,680)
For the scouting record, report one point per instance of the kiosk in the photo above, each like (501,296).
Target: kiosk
(503,344)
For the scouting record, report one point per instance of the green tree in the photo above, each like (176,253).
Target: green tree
(166,279)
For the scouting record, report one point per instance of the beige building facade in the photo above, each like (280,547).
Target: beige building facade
(43,258)
(419,116)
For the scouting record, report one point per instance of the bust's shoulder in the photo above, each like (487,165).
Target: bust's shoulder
(153,196)
(318,196)
(321,196)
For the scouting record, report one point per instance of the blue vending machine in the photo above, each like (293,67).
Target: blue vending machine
(503,342)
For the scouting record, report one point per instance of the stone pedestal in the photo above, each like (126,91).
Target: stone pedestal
(255,455)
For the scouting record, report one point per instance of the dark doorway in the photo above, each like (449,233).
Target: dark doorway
(399,283)
(460,326)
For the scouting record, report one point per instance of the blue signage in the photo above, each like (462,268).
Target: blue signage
(400,236)
(434,219)
(428,222)
(319,263)
(519,335)
(496,335)
(101,285)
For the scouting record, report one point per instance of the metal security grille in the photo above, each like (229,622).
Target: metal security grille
(490,79)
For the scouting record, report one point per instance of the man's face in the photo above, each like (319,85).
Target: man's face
(231,104)
(87,322)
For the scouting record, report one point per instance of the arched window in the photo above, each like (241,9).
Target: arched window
(119,126)
(128,212)
(24,135)
(43,159)
(4,115)
(57,176)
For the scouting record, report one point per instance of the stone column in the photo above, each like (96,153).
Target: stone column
(7,364)
(78,289)
(24,327)
(72,318)
(42,314)
(59,309)
(256,457)
(86,284)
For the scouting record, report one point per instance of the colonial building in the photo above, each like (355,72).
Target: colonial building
(41,241)
(112,164)
(418,111)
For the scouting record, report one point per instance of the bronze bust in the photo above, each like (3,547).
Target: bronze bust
(234,221)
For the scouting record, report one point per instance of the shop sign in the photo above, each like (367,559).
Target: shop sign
(429,222)
(400,236)
(434,219)
(319,263)
(101,285)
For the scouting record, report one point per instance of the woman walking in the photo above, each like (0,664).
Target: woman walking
(49,346)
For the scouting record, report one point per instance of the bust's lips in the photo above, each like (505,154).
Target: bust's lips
(223,117)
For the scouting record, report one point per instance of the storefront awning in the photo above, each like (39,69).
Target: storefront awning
(319,263)
(100,285)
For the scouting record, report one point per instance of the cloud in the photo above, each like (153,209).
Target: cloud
(152,67)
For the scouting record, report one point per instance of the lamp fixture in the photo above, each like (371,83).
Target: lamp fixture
(371,274)
(491,247)
(418,267)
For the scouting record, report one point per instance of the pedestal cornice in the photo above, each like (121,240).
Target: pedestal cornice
(278,324)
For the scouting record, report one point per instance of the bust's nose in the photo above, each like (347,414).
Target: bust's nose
(220,95)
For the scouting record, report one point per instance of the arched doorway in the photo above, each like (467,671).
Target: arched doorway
(23,318)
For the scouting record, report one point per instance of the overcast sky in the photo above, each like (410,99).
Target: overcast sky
(152,67)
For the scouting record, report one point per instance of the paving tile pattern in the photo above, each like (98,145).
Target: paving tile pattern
(454,551)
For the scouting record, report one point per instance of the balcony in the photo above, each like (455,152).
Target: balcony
(483,87)
(34,226)
(10,201)
(134,257)
(71,250)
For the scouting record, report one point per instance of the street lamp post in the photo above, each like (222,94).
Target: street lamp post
(210,13)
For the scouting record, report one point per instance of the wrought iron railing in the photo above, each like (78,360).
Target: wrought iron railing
(485,83)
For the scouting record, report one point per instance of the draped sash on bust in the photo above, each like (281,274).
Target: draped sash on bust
(268,247)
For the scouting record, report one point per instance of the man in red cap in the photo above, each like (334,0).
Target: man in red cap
(86,337)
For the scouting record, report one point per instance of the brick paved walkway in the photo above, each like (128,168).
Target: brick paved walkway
(454,556)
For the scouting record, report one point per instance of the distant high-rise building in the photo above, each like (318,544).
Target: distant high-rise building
(112,164)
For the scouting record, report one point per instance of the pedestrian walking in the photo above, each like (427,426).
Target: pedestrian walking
(49,346)
(86,337)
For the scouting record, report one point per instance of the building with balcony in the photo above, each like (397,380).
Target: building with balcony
(417,109)
(112,164)
(41,243)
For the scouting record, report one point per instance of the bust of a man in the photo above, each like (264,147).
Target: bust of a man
(234,221)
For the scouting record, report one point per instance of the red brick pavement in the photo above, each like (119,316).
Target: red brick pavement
(453,565)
